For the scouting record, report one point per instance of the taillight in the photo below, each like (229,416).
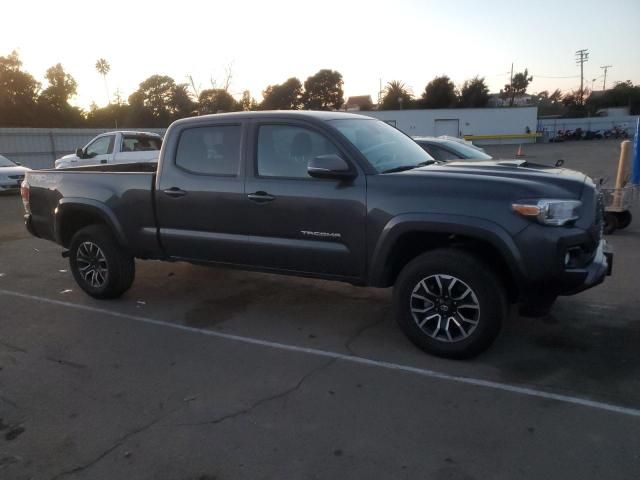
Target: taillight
(24,193)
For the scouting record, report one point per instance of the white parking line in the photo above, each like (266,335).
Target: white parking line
(505,387)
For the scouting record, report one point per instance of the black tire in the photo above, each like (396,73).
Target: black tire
(624,219)
(85,249)
(487,291)
(610,223)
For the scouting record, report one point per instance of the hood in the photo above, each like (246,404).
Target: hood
(520,170)
(66,157)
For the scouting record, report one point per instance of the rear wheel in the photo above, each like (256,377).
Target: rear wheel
(450,303)
(100,266)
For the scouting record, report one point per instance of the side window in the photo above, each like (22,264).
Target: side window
(140,143)
(440,153)
(285,151)
(211,150)
(100,146)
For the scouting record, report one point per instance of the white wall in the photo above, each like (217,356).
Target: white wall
(472,121)
(552,125)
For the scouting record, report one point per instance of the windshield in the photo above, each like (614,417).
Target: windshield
(466,151)
(386,148)
(5,162)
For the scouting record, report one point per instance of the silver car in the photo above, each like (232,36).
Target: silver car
(11,175)
(448,148)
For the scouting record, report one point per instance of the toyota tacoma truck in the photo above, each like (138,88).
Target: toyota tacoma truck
(115,147)
(339,197)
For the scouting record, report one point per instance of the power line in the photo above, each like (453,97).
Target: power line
(554,76)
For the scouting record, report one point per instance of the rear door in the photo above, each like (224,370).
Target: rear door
(296,222)
(200,193)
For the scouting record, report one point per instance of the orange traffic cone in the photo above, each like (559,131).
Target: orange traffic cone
(520,152)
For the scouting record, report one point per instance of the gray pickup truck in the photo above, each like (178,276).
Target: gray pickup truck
(339,197)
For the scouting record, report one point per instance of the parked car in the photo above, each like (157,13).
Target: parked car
(446,149)
(115,147)
(341,197)
(11,175)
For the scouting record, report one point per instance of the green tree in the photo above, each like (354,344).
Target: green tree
(474,93)
(623,94)
(159,101)
(323,91)
(439,93)
(62,87)
(574,104)
(54,109)
(247,102)
(549,103)
(518,86)
(103,67)
(216,100)
(285,96)
(181,104)
(18,93)
(396,96)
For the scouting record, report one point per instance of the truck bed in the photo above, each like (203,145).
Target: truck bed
(121,193)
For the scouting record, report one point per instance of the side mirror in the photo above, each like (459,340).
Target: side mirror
(329,166)
(79,153)
(17,163)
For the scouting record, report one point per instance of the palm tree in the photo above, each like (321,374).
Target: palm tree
(396,96)
(103,67)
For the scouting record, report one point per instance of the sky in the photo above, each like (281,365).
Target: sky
(369,42)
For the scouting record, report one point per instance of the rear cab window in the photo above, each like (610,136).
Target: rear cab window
(140,143)
(210,150)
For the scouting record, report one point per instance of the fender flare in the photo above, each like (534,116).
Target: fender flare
(87,205)
(467,226)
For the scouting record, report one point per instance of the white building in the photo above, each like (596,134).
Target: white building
(483,125)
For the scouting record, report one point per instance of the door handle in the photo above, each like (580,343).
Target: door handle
(174,192)
(260,197)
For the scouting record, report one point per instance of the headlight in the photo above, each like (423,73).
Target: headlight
(550,212)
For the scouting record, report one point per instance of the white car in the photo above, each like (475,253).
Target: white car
(11,175)
(115,147)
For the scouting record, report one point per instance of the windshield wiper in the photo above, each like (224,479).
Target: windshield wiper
(402,168)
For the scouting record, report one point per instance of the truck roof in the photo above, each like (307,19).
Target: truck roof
(291,114)
(133,132)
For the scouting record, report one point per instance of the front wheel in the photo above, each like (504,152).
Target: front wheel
(100,266)
(450,303)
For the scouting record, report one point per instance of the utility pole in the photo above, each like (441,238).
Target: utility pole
(604,81)
(511,95)
(582,56)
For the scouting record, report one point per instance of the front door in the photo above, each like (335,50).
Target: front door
(98,152)
(296,222)
(200,195)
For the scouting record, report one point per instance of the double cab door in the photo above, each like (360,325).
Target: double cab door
(239,193)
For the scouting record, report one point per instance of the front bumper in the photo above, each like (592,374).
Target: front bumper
(577,280)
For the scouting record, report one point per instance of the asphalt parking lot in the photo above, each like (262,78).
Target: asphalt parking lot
(200,373)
